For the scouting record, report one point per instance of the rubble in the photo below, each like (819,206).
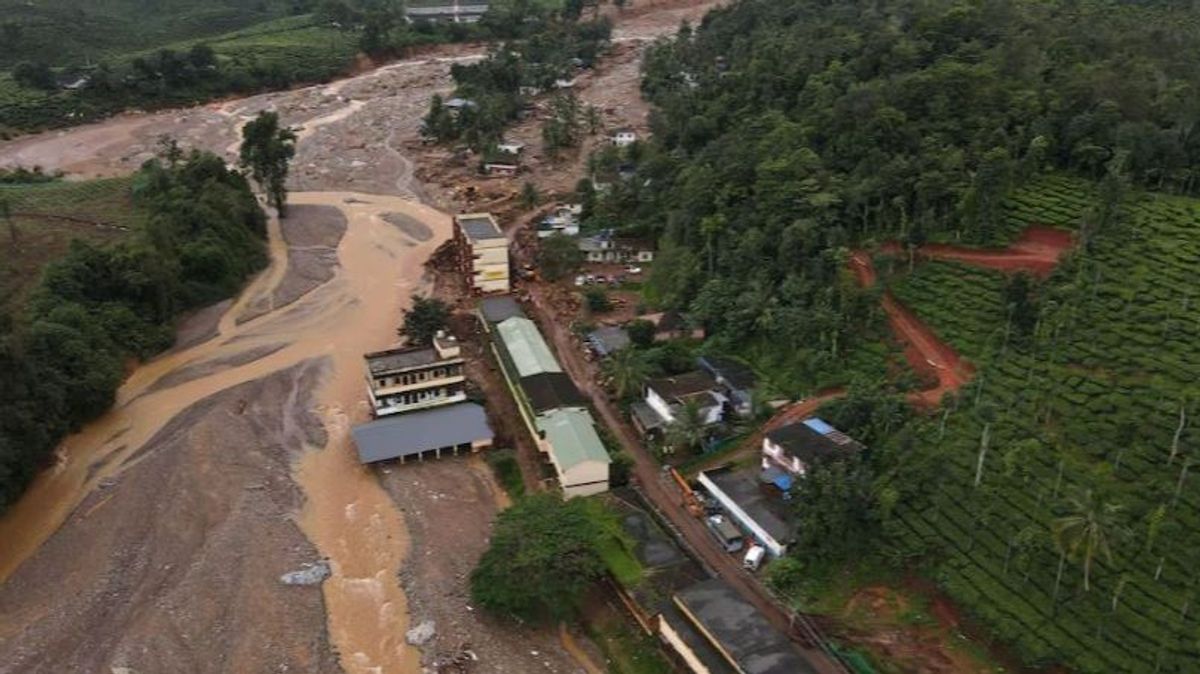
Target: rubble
(309,574)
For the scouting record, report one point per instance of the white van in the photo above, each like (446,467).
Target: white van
(754,557)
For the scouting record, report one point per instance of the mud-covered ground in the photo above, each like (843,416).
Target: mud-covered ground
(203,511)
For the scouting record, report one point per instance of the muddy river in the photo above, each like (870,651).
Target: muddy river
(374,267)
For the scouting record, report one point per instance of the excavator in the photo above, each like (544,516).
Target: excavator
(690,500)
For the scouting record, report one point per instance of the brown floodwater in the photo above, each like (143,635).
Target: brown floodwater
(347,514)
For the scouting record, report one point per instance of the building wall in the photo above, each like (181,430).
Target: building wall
(775,453)
(672,637)
(585,479)
(774,547)
(659,405)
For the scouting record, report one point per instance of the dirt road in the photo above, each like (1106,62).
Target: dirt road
(1037,251)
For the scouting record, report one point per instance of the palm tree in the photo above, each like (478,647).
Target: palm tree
(627,370)
(1085,531)
(686,432)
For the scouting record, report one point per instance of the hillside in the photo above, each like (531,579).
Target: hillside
(47,217)
(68,33)
(792,138)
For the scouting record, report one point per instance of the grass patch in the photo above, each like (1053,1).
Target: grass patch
(508,471)
(47,217)
(627,650)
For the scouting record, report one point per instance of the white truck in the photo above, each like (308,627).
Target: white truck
(754,557)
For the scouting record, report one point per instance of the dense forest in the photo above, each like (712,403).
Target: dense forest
(200,234)
(788,134)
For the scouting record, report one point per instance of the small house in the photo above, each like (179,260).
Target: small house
(563,220)
(607,340)
(672,324)
(501,168)
(736,380)
(605,247)
(623,137)
(666,396)
(796,448)
(513,147)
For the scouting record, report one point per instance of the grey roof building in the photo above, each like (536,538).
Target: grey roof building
(495,310)
(738,631)
(608,340)
(453,428)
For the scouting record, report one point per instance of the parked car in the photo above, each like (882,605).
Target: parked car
(633,270)
(725,532)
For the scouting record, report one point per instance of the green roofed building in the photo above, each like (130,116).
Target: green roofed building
(569,436)
(524,347)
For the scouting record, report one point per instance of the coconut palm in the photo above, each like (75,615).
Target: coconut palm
(686,432)
(1085,532)
(627,370)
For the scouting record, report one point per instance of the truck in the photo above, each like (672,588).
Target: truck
(725,532)
(754,557)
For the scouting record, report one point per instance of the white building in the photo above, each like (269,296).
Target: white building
(624,137)
(483,252)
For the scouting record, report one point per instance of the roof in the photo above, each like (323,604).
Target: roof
(813,443)
(695,641)
(670,320)
(392,360)
(624,131)
(740,630)
(735,374)
(549,390)
(572,437)
(646,416)
(525,347)
(743,488)
(479,226)
(496,309)
(608,339)
(682,385)
(415,432)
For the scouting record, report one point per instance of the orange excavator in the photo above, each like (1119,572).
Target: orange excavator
(690,500)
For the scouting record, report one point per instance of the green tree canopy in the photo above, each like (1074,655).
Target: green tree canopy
(558,257)
(267,150)
(424,319)
(542,558)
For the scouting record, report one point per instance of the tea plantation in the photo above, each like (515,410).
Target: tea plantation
(1090,416)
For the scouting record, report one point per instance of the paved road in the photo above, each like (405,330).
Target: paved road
(648,473)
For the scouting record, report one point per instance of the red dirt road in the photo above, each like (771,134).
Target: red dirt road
(1037,251)
(927,354)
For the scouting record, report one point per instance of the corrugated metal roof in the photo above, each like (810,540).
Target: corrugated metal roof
(572,437)
(525,346)
(415,432)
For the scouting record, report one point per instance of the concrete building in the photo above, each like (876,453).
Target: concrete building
(715,631)
(552,408)
(568,436)
(446,11)
(623,137)
(757,508)
(450,429)
(415,378)
(736,380)
(667,395)
(497,309)
(605,247)
(796,448)
(483,252)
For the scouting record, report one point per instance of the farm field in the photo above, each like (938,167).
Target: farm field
(1090,416)
(63,32)
(46,217)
